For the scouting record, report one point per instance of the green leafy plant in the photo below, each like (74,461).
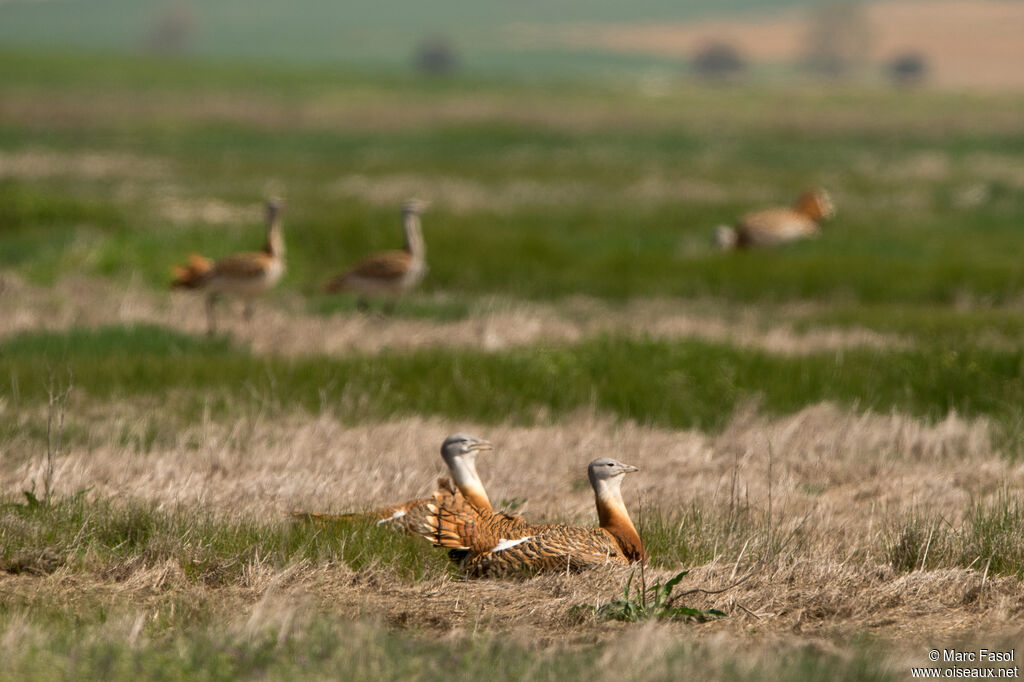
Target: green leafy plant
(654,602)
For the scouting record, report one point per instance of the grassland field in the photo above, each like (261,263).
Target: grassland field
(837,423)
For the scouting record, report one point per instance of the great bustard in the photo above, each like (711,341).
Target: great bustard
(772,226)
(245,275)
(497,543)
(416,516)
(391,273)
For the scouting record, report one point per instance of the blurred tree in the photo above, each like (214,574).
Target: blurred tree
(171,29)
(435,55)
(838,38)
(907,68)
(718,61)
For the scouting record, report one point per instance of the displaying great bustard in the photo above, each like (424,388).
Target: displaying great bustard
(417,516)
(391,273)
(496,543)
(245,275)
(772,226)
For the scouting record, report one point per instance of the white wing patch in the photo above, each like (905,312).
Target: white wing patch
(397,515)
(504,544)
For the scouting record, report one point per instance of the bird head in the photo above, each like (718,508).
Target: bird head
(460,445)
(817,204)
(606,470)
(416,206)
(274,207)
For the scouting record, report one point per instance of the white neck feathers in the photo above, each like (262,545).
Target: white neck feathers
(414,242)
(608,496)
(275,240)
(467,480)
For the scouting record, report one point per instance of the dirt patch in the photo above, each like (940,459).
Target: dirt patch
(967,43)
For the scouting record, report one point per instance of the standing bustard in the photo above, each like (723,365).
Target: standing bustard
(245,275)
(416,516)
(499,543)
(772,226)
(391,273)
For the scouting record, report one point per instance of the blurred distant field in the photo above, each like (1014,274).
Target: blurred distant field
(357,32)
(840,419)
(539,191)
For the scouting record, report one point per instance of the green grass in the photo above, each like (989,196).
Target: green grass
(950,326)
(900,238)
(444,309)
(106,537)
(683,384)
(990,540)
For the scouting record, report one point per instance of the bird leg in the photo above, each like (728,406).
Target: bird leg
(211,315)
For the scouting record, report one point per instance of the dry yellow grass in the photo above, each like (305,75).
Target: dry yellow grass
(848,471)
(838,479)
(493,324)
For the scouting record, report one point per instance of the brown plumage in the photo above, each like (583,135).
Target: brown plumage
(773,226)
(501,544)
(245,275)
(391,273)
(417,516)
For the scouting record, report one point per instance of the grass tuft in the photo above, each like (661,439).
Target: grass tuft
(117,538)
(651,603)
(990,539)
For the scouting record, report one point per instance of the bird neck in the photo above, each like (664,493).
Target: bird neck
(414,243)
(275,239)
(467,480)
(812,205)
(614,518)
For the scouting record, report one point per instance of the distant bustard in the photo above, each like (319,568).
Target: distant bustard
(391,273)
(773,226)
(497,543)
(417,516)
(245,275)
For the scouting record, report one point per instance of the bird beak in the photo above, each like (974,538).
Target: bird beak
(629,468)
(482,445)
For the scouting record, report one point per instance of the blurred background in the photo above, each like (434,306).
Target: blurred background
(945,43)
(568,148)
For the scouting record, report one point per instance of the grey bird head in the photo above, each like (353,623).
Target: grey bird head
(460,444)
(416,206)
(605,468)
(274,206)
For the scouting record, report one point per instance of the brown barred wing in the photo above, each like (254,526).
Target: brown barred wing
(555,548)
(460,525)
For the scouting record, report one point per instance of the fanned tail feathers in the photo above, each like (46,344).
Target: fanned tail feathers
(193,274)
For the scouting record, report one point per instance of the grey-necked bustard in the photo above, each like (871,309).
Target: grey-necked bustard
(772,226)
(497,543)
(244,275)
(391,273)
